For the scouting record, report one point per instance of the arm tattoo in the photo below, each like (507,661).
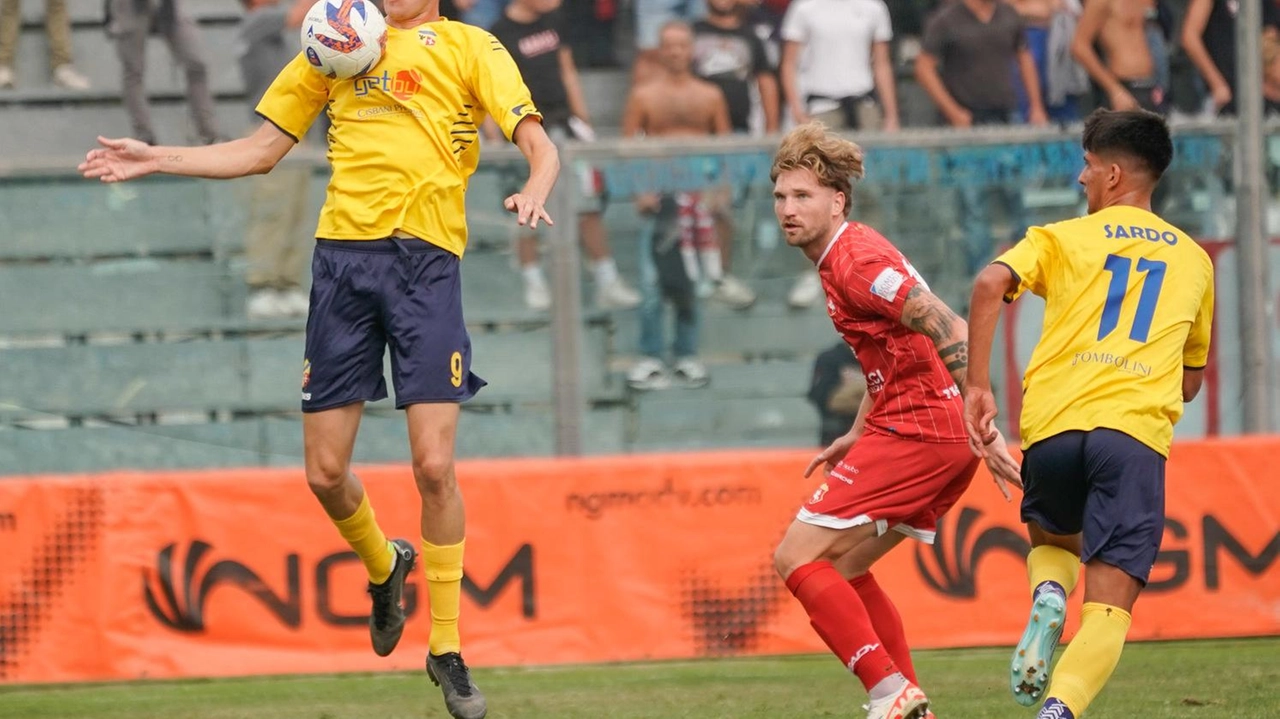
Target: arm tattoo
(175,158)
(956,356)
(926,314)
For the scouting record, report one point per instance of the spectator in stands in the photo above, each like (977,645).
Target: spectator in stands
(1209,38)
(764,17)
(968,48)
(531,31)
(964,65)
(836,390)
(57,23)
(1271,79)
(1051,28)
(651,17)
(278,241)
(589,30)
(728,53)
(679,245)
(836,65)
(837,69)
(129,23)
(1130,75)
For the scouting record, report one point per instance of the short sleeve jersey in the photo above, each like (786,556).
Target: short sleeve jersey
(1128,304)
(403,138)
(867,282)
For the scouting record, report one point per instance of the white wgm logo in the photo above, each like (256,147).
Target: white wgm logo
(864,651)
(1057,711)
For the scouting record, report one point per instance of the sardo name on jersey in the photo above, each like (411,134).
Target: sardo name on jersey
(1138,232)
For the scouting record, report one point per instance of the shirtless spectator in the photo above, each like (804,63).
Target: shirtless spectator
(1051,26)
(679,244)
(651,17)
(1129,75)
(1209,37)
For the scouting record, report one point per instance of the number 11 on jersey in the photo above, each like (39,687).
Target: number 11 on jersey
(1152,281)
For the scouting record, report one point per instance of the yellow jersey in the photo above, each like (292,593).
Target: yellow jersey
(1128,304)
(403,141)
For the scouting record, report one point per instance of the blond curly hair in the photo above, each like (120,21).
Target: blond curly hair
(835,161)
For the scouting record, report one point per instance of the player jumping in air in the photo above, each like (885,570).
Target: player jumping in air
(386,271)
(1128,305)
(905,461)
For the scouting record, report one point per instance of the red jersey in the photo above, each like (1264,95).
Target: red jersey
(866,280)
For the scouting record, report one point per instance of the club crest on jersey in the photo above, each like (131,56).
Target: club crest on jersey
(427,37)
(818,494)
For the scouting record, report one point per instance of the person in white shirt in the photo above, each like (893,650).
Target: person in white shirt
(837,69)
(836,64)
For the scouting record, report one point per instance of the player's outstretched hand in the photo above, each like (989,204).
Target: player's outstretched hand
(832,455)
(527,210)
(979,416)
(118,160)
(1005,470)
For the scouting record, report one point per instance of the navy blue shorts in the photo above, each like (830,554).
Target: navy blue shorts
(1105,484)
(368,294)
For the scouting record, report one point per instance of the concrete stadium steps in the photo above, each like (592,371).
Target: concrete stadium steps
(51,120)
(277,441)
(689,419)
(767,331)
(148,218)
(95,57)
(91,12)
(65,130)
(259,375)
(70,299)
(660,421)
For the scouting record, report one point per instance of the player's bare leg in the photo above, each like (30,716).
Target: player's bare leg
(1049,566)
(1095,650)
(328,438)
(432,431)
(805,559)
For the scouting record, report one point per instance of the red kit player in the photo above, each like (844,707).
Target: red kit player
(906,460)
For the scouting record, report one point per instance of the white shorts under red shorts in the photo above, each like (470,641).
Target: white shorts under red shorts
(893,483)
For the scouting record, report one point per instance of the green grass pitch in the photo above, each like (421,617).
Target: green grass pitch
(1220,679)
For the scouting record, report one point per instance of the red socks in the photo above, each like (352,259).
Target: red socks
(886,621)
(837,613)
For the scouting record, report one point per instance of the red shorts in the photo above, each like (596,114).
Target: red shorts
(893,483)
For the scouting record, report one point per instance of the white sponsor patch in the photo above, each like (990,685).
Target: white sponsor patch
(887,283)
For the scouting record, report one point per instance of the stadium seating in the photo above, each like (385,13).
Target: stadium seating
(125,318)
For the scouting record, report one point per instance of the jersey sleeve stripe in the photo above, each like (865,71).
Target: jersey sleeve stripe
(1017,278)
(277,126)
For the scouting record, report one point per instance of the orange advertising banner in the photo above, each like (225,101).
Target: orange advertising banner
(126,576)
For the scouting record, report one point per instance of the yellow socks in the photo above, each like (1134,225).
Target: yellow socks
(364,535)
(1047,563)
(1091,657)
(443,567)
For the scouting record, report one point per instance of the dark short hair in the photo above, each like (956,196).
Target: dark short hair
(1137,134)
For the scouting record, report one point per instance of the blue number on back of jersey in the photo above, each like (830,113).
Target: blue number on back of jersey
(1119,267)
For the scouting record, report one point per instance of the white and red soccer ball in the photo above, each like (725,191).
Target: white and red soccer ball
(343,38)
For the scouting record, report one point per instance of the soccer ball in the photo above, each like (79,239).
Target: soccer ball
(343,38)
